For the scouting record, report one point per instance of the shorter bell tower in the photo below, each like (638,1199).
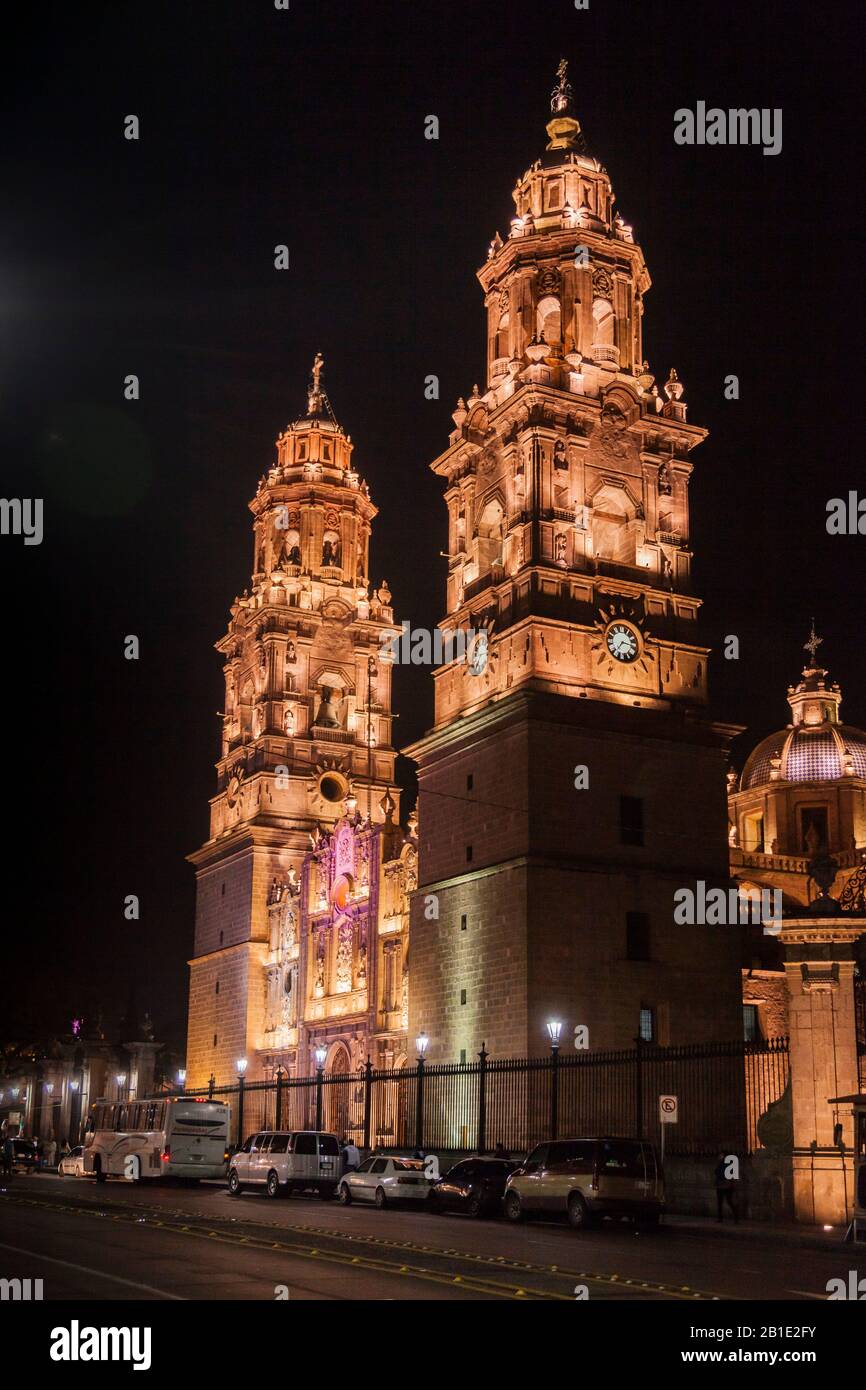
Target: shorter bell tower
(306,721)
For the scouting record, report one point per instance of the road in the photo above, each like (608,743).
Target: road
(124,1242)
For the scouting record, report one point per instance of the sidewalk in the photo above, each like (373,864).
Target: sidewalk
(765,1232)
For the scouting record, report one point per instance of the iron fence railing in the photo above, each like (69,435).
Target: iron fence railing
(723,1089)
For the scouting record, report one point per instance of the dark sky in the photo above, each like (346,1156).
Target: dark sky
(306,127)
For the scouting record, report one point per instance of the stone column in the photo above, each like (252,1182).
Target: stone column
(820,958)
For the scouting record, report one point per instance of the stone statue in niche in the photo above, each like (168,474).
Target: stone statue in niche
(560,456)
(362,962)
(327,715)
(664,482)
(559,549)
(258,720)
(291,657)
(320,962)
(289,722)
(344,955)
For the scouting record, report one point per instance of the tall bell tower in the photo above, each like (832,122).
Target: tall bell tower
(572,780)
(306,721)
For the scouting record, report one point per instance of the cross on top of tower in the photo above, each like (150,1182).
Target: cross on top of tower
(315,395)
(560,97)
(813,643)
(562,127)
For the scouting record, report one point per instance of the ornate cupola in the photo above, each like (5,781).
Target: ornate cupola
(307,697)
(565,290)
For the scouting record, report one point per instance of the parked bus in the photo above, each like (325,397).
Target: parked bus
(170,1137)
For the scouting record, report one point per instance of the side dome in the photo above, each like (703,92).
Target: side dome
(821,753)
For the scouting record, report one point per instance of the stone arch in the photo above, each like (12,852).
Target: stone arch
(548,319)
(490,531)
(603,321)
(614,525)
(337,1107)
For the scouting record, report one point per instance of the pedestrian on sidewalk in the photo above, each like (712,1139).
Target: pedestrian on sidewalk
(726,1185)
(351,1156)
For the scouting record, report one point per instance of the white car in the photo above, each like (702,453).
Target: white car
(72,1166)
(384,1180)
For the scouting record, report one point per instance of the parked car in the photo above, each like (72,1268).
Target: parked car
(476,1186)
(26,1155)
(72,1166)
(286,1161)
(385,1181)
(586,1179)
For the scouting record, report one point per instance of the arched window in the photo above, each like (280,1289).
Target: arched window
(603,322)
(548,320)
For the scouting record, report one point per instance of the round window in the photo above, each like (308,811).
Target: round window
(332,787)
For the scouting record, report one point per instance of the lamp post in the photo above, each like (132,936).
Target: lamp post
(121,1082)
(320,1054)
(422,1042)
(181,1078)
(554,1031)
(278,1108)
(241,1068)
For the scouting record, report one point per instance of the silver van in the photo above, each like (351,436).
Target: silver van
(285,1161)
(586,1179)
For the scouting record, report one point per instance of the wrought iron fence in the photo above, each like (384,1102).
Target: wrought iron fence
(723,1089)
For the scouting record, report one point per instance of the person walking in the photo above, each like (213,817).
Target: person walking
(51,1153)
(726,1188)
(8,1156)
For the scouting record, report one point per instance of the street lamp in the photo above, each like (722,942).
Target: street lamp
(554,1029)
(181,1077)
(422,1042)
(320,1055)
(121,1082)
(241,1067)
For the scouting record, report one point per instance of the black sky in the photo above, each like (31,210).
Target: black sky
(306,127)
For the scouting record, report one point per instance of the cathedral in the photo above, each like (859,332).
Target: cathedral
(573,781)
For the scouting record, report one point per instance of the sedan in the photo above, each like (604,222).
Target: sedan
(72,1166)
(385,1181)
(25,1155)
(475,1186)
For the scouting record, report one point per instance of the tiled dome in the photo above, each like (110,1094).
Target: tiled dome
(816,753)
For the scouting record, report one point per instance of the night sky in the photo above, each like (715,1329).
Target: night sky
(306,127)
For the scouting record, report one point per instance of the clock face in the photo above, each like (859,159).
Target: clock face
(622,642)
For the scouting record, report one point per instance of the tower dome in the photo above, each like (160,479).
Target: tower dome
(815,747)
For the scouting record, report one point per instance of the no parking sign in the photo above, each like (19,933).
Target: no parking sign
(669,1110)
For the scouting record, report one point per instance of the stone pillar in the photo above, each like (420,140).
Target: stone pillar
(820,958)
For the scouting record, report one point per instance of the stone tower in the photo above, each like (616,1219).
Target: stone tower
(306,723)
(572,780)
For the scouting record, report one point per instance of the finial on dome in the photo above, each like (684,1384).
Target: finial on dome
(315,395)
(560,97)
(562,128)
(813,643)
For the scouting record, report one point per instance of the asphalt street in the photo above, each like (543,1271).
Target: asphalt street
(131,1242)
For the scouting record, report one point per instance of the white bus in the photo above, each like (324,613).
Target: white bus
(171,1137)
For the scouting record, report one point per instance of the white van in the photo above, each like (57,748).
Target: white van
(286,1161)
